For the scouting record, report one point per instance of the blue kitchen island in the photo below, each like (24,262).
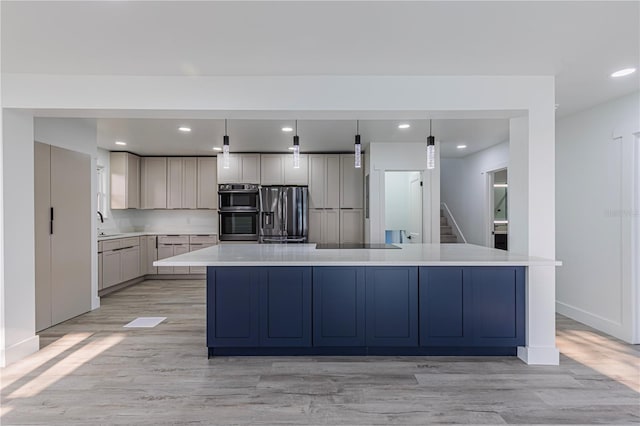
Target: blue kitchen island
(423,299)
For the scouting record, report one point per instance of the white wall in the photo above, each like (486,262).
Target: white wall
(385,157)
(463,183)
(596,153)
(18,271)
(80,135)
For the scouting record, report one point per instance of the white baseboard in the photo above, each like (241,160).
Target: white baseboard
(539,355)
(605,325)
(19,350)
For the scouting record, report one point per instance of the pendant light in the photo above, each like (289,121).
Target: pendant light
(225,147)
(431,150)
(358,147)
(296,149)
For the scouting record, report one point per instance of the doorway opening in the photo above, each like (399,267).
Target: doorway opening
(403,207)
(498,202)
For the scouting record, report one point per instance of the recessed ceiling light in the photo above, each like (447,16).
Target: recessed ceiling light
(287,129)
(217,148)
(184,129)
(461,146)
(120,143)
(404,126)
(623,72)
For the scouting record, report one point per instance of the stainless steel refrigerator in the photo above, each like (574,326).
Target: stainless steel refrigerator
(284,214)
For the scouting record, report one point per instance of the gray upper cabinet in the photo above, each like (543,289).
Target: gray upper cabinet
(125,180)
(207,183)
(351,183)
(243,168)
(154,182)
(277,169)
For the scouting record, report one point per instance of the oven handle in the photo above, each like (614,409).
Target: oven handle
(238,210)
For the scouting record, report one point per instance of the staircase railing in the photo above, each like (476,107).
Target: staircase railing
(454,225)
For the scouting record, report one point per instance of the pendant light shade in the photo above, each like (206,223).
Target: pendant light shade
(296,149)
(431,150)
(358,147)
(225,147)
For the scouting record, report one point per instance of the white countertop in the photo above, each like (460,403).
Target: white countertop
(308,255)
(116,235)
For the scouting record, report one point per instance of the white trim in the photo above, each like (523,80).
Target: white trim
(614,328)
(19,350)
(548,355)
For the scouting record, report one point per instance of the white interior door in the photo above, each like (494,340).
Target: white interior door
(415,208)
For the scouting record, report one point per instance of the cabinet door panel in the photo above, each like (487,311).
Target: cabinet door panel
(271,169)
(174,183)
(498,305)
(351,190)
(154,182)
(285,306)
(332,197)
(232,307)
(338,306)
(299,176)
(250,166)
(130,263)
(332,226)
(152,254)
(315,225)
(231,174)
(189,185)
(351,226)
(207,183)
(71,243)
(180,249)
(111,270)
(392,306)
(165,251)
(445,300)
(317,180)
(133,181)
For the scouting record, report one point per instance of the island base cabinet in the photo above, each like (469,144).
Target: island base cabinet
(472,306)
(259,307)
(392,306)
(338,306)
(365,310)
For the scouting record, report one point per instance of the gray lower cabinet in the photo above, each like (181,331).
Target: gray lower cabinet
(120,261)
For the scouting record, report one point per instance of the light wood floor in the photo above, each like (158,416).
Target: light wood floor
(93,371)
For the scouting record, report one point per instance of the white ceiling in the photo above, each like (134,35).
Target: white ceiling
(162,137)
(580,42)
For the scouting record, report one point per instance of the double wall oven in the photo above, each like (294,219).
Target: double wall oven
(238,210)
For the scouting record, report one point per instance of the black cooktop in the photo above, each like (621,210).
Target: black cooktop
(356,246)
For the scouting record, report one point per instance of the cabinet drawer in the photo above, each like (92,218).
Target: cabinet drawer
(111,245)
(203,239)
(173,239)
(130,242)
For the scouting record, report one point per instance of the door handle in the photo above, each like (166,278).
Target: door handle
(51,221)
